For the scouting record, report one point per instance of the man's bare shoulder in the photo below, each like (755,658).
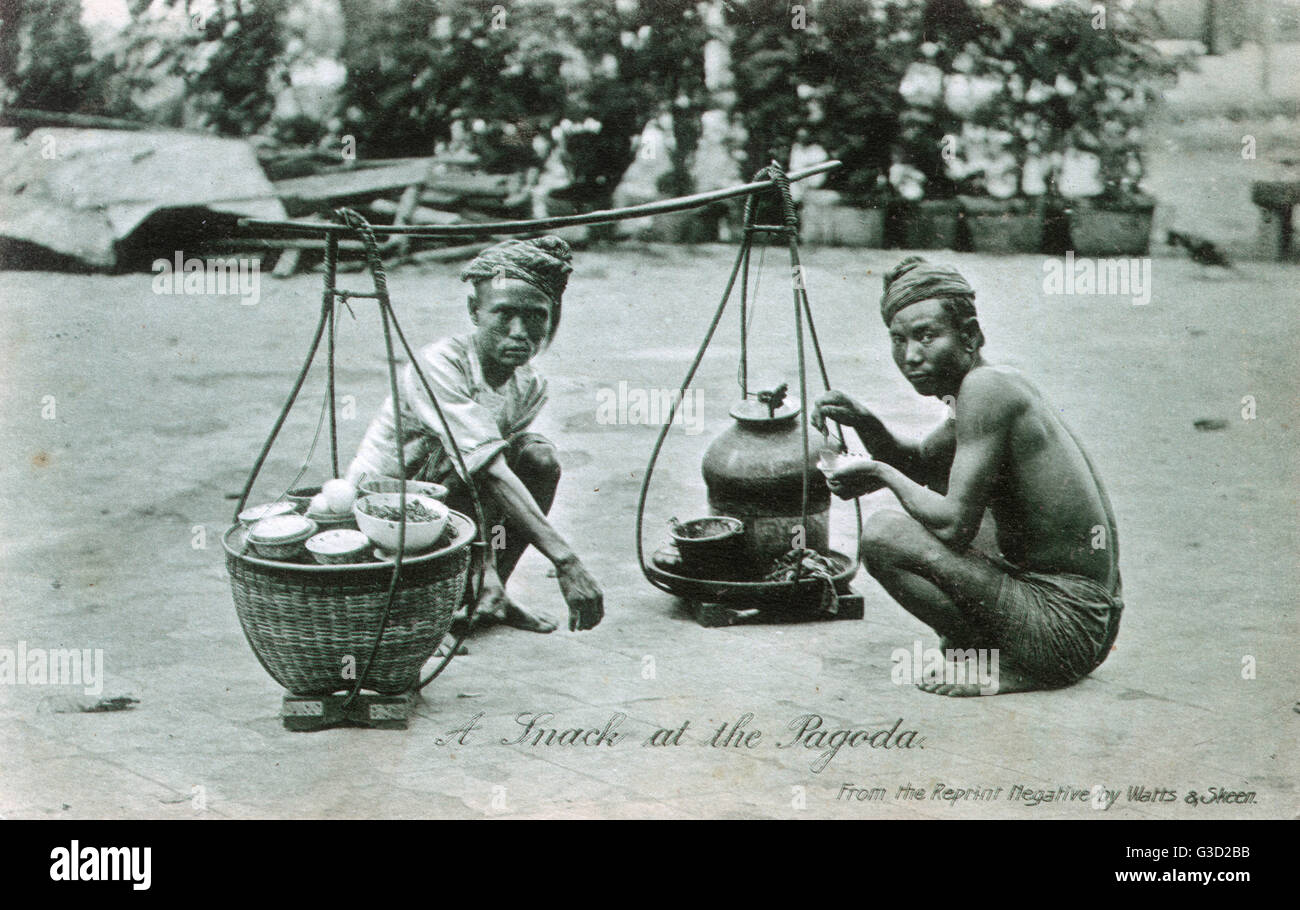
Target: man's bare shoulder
(994,391)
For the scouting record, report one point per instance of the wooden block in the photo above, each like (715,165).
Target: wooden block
(714,616)
(382,712)
(852,606)
(302,713)
(306,713)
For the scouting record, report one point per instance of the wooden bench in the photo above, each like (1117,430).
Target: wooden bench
(1277,200)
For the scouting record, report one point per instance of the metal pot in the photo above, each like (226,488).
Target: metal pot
(754,471)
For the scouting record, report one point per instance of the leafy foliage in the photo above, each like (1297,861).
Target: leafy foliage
(636,61)
(230,63)
(416,69)
(769,58)
(46,62)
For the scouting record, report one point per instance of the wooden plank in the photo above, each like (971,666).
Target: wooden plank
(451,253)
(485,186)
(359,182)
(420,215)
(287,264)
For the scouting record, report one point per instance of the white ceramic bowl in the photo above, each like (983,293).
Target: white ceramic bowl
(253,514)
(338,546)
(281,536)
(420,535)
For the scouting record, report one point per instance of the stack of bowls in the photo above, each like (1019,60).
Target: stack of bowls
(281,536)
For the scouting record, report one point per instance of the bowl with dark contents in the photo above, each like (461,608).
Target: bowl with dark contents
(379,517)
(378,484)
(711,547)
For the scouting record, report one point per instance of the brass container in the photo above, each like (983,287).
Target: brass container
(754,471)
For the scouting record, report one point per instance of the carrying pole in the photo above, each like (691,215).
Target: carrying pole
(538,225)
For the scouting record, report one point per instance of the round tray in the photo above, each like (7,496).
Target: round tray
(753,593)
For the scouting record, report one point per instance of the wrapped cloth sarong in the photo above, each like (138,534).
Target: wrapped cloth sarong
(1054,628)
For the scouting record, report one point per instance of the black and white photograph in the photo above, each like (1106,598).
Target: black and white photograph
(650,409)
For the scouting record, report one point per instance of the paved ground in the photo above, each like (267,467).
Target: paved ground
(160,404)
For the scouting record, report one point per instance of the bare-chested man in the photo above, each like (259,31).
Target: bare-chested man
(1051,601)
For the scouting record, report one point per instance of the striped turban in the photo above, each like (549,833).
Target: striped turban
(916,279)
(543,262)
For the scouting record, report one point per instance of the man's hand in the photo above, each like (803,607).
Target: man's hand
(838,407)
(581,593)
(857,477)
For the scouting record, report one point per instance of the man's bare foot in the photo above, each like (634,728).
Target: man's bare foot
(520,618)
(492,605)
(1002,683)
(954,643)
(497,609)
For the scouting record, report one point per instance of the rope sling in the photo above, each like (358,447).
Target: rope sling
(775,178)
(332,294)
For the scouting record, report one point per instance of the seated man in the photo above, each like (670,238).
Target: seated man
(489,395)
(1050,602)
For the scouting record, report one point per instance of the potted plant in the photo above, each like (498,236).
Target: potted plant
(935,37)
(627,63)
(1112,89)
(1005,131)
(768,57)
(674,51)
(853,112)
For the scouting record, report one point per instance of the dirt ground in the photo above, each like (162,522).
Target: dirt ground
(157,405)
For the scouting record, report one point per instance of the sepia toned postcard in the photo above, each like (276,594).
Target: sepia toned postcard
(649,409)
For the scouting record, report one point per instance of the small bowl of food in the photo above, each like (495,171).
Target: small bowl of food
(253,514)
(710,547)
(281,536)
(379,518)
(379,484)
(328,521)
(338,546)
(301,496)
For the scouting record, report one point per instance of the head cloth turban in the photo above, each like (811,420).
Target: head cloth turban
(543,262)
(916,279)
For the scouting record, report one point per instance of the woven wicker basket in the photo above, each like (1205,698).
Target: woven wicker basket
(304,620)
